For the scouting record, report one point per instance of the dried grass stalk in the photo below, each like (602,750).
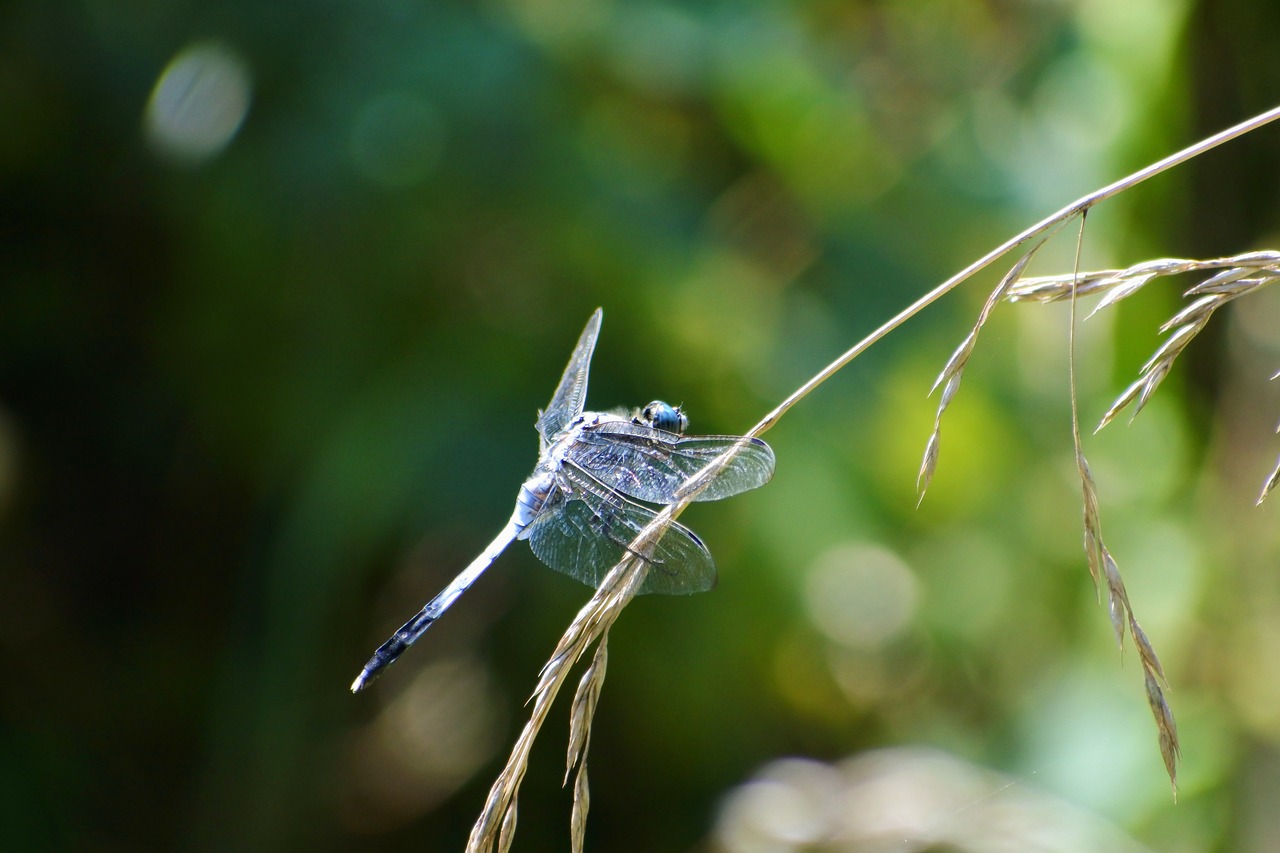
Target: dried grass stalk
(1114,285)
(1117,285)
(581,716)
(1102,564)
(496,824)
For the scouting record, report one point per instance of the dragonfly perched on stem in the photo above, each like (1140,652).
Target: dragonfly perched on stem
(579,509)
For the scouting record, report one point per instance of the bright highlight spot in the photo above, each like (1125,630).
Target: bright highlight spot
(789,806)
(199,103)
(861,596)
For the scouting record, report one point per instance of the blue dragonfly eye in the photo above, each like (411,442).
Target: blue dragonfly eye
(664,416)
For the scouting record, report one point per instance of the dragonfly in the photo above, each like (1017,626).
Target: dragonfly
(582,506)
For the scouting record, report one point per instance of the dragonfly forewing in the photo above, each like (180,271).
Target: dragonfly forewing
(571,394)
(651,465)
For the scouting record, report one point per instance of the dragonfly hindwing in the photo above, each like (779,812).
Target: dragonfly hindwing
(587,535)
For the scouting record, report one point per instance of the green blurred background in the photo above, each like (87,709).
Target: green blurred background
(283,284)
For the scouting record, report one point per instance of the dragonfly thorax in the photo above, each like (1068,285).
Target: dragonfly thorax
(533,496)
(541,485)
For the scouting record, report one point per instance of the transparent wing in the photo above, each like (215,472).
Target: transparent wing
(585,534)
(571,394)
(650,464)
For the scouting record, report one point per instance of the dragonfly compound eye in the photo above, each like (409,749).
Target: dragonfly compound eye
(663,416)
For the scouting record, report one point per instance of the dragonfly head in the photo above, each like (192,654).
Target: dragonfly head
(664,416)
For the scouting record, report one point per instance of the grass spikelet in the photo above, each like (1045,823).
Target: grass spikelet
(1117,598)
(1093,549)
(1170,751)
(953,371)
(581,805)
(508,832)
(584,704)
(1145,651)
(929,463)
(1270,483)
(1274,477)
(581,715)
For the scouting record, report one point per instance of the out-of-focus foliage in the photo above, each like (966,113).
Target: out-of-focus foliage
(283,284)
